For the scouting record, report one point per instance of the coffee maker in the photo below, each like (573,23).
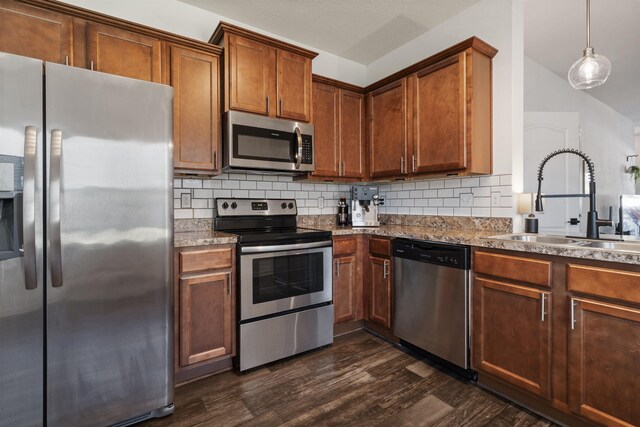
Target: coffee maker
(365,200)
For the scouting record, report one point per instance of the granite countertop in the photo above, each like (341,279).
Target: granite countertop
(202,238)
(482,238)
(465,236)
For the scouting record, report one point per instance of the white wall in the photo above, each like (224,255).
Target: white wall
(190,21)
(606,135)
(493,22)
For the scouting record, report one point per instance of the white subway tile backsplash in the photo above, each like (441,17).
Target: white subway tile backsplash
(450,196)
(445,193)
(232,185)
(191,183)
(265,185)
(436,184)
(257,194)
(452,183)
(502,212)
(240,194)
(203,194)
(481,191)
(489,180)
(248,185)
(203,213)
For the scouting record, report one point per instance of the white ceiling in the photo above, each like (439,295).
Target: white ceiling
(554,36)
(359,30)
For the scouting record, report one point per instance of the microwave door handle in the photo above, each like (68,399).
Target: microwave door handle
(299,153)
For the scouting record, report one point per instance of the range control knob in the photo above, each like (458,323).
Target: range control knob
(234,205)
(225,205)
(283,205)
(290,205)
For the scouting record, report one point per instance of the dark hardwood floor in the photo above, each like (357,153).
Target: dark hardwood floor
(359,380)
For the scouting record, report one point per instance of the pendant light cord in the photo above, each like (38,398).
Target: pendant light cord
(588,23)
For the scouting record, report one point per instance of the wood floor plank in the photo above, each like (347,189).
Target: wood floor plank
(360,380)
(425,412)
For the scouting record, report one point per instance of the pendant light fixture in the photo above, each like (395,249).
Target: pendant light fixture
(592,69)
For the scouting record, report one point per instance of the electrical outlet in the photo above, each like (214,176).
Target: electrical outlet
(185,200)
(495,199)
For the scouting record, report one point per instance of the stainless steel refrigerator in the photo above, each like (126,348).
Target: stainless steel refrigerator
(85,246)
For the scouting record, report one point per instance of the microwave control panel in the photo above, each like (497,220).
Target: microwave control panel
(307,150)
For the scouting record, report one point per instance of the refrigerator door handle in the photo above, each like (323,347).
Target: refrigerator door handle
(55,186)
(29,207)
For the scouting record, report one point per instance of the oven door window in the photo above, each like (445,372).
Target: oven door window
(262,144)
(287,276)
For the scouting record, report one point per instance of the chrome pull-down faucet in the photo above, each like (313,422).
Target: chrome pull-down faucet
(593,223)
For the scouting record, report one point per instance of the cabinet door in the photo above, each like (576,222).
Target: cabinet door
(439,117)
(123,53)
(344,287)
(293,86)
(352,133)
(325,130)
(196,109)
(205,318)
(388,130)
(37,33)
(512,332)
(380,297)
(251,72)
(604,363)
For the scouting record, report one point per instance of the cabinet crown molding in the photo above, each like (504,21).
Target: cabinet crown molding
(89,15)
(474,43)
(226,28)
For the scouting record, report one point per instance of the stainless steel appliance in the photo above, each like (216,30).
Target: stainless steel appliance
(256,142)
(285,298)
(365,202)
(431,299)
(85,301)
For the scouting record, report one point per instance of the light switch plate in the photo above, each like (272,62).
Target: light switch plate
(185,200)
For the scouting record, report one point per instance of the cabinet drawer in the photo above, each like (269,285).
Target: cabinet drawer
(380,246)
(344,245)
(206,259)
(527,270)
(604,282)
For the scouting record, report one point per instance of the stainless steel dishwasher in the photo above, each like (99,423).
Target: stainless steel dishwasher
(431,299)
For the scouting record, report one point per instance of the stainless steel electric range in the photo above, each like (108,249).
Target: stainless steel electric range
(285,302)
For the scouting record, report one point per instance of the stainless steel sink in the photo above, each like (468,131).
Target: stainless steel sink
(537,238)
(568,241)
(621,246)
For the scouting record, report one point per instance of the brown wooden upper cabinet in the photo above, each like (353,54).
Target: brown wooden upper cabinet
(434,117)
(38,33)
(387,112)
(338,120)
(195,77)
(123,53)
(264,75)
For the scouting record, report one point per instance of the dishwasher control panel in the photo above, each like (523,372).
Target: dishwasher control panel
(455,256)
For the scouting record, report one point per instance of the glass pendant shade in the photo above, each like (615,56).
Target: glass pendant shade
(589,71)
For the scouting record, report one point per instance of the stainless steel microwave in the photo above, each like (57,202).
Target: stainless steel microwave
(263,143)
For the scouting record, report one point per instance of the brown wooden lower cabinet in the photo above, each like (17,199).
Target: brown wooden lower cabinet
(380,291)
(512,331)
(604,363)
(347,279)
(205,318)
(204,310)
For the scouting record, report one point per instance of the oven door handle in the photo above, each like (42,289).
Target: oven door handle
(274,248)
